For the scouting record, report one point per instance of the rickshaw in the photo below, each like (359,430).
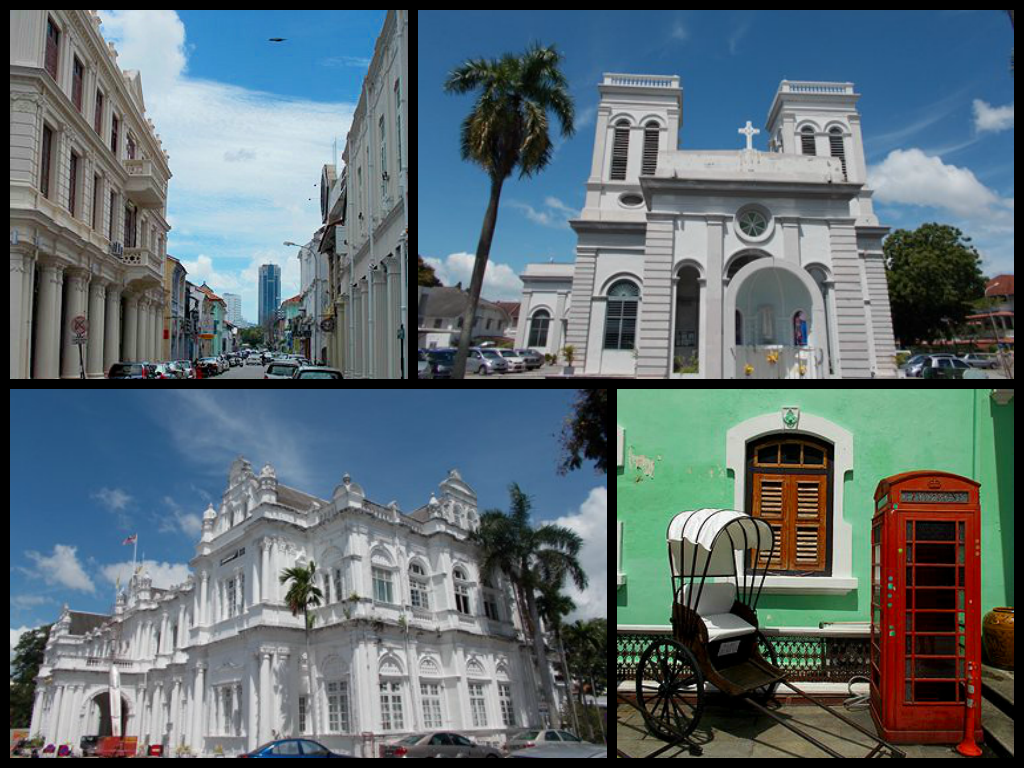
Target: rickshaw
(715,635)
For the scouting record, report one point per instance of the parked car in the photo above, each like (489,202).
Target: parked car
(975,360)
(944,368)
(533,358)
(516,362)
(437,744)
(208,366)
(317,372)
(441,362)
(485,361)
(563,751)
(127,371)
(293,748)
(540,737)
(254,359)
(280,370)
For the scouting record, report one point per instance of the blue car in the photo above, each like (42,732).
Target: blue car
(293,748)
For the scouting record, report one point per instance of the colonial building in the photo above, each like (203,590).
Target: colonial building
(88,202)
(411,635)
(726,264)
(366,212)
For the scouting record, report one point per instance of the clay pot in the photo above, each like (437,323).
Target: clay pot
(997,636)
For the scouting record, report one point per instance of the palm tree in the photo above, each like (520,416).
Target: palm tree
(588,642)
(304,594)
(553,606)
(511,545)
(507,129)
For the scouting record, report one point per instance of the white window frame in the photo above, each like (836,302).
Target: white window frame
(621,437)
(618,567)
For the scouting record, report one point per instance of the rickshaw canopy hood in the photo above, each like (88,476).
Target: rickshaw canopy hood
(714,536)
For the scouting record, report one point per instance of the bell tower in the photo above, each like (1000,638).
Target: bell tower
(810,118)
(638,117)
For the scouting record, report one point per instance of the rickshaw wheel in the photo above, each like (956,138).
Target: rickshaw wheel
(766,693)
(669,690)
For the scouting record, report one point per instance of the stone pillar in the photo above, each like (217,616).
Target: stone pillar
(22,289)
(716,360)
(131,323)
(653,338)
(47,330)
(851,318)
(265,548)
(55,707)
(97,300)
(252,705)
(266,713)
(582,299)
(112,328)
(197,709)
(204,600)
(284,701)
(175,730)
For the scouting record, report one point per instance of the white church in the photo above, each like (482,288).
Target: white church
(411,637)
(736,264)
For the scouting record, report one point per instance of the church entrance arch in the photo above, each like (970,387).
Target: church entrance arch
(783,316)
(687,336)
(97,715)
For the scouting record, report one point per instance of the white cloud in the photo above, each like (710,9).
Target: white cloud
(501,283)
(992,119)
(165,575)
(554,213)
(180,521)
(62,569)
(237,155)
(591,523)
(910,177)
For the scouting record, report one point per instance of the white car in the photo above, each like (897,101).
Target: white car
(516,362)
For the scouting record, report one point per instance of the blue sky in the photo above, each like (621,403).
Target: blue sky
(89,470)
(937,113)
(248,125)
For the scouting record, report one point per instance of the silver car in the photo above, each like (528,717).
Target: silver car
(485,361)
(437,744)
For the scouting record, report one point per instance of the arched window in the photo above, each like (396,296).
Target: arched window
(620,151)
(790,487)
(835,140)
(539,329)
(620,321)
(651,132)
(807,141)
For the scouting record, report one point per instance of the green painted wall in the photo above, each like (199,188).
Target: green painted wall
(684,432)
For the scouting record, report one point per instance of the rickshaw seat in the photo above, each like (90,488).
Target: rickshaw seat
(715,610)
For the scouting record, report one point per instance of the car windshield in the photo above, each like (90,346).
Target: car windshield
(489,353)
(319,375)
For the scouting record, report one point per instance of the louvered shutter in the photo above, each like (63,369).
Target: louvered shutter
(769,497)
(620,153)
(838,150)
(650,151)
(808,522)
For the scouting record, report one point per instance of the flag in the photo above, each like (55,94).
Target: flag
(130,540)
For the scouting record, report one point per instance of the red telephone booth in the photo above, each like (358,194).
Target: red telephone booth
(925,606)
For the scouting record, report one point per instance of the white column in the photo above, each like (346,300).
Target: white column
(55,705)
(204,600)
(22,280)
(47,353)
(37,712)
(197,709)
(97,300)
(177,732)
(255,579)
(253,678)
(284,700)
(266,711)
(76,286)
(265,547)
(131,324)
(112,328)
(143,329)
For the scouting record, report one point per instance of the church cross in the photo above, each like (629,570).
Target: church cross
(750,132)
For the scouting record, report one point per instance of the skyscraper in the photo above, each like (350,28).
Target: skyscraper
(270,291)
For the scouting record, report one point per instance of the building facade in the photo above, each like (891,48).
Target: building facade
(729,264)
(270,292)
(547,300)
(88,202)
(411,635)
(367,205)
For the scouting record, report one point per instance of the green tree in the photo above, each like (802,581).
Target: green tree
(427,277)
(530,557)
(585,434)
(934,275)
(304,595)
(27,658)
(507,129)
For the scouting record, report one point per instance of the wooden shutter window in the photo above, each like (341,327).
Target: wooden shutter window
(44,166)
(77,80)
(789,489)
(835,139)
(807,141)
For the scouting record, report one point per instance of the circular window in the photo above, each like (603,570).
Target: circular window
(754,223)
(630,200)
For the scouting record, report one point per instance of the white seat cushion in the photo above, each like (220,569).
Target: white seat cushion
(714,607)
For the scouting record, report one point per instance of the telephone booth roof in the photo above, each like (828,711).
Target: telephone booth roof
(714,536)
(887,482)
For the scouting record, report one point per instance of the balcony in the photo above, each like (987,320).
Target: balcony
(145,267)
(145,187)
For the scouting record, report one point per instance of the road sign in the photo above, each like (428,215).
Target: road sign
(80,329)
